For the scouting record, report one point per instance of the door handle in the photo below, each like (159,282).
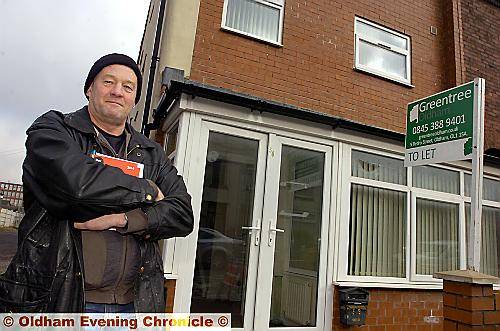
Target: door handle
(250,228)
(272,233)
(257,232)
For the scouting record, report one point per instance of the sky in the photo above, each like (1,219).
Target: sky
(46,50)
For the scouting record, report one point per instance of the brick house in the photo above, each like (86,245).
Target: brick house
(287,120)
(11,195)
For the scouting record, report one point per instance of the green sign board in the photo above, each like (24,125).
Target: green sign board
(440,127)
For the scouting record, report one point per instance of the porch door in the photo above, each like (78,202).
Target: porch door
(291,280)
(228,233)
(262,235)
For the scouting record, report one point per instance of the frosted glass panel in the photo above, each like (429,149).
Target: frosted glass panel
(436,179)
(376,167)
(382,59)
(491,188)
(364,29)
(254,18)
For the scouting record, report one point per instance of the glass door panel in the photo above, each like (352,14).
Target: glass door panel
(297,250)
(292,258)
(224,243)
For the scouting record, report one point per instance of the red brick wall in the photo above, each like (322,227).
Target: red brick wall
(397,309)
(481,46)
(470,307)
(314,68)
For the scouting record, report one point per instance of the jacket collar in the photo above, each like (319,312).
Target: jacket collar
(80,120)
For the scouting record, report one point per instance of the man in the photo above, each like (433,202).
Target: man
(89,239)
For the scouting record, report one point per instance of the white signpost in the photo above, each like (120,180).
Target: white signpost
(448,126)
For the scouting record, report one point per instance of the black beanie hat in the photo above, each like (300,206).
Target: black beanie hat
(110,59)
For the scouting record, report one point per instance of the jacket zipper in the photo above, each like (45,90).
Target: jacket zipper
(133,149)
(108,147)
(122,272)
(124,255)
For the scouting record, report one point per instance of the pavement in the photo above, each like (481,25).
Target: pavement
(8,246)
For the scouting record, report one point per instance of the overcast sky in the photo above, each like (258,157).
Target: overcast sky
(46,50)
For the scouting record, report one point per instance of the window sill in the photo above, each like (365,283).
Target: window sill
(377,75)
(409,286)
(416,286)
(250,36)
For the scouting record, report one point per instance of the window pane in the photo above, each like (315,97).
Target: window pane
(381,59)
(491,188)
(376,167)
(437,237)
(490,239)
(364,29)
(377,232)
(296,257)
(253,17)
(468,180)
(172,140)
(436,179)
(220,273)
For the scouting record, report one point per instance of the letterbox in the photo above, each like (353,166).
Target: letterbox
(353,305)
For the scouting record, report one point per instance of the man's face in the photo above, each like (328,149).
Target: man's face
(112,94)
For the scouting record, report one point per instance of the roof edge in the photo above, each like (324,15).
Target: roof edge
(178,85)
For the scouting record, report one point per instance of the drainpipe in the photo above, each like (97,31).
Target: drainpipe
(152,69)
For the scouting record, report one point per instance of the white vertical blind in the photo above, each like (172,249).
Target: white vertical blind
(378,218)
(436,179)
(378,225)
(490,238)
(491,188)
(377,232)
(255,18)
(437,236)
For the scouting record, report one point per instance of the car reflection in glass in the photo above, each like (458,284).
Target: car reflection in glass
(219,266)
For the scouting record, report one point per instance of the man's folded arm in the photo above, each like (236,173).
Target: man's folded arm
(72,185)
(169,217)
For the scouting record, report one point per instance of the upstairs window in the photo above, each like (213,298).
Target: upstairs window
(259,19)
(381,51)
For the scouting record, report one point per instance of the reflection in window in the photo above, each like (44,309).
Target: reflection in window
(172,141)
(219,283)
(297,259)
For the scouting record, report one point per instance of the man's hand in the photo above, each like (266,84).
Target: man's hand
(102,223)
(160,195)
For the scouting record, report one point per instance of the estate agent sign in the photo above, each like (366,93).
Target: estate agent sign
(440,127)
(448,126)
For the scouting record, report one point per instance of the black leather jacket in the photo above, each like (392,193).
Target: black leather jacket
(62,184)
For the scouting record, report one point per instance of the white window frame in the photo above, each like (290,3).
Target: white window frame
(405,52)
(411,279)
(486,203)
(348,180)
(277,4)
(439,197)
